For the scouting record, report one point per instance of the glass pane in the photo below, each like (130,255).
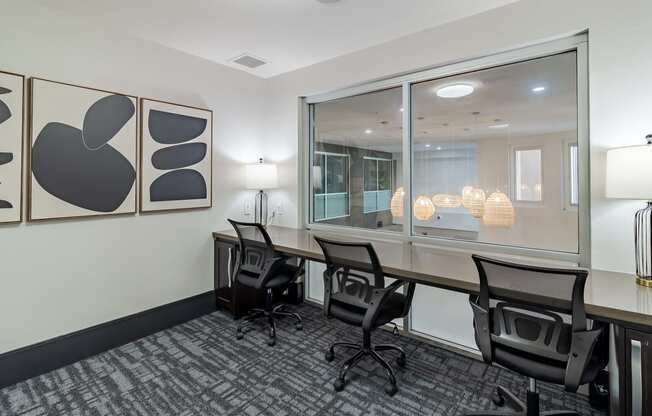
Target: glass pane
(370,172)
(359,130)
(320,207)
(337,174)
(384,175)
(527,174)
(318,176)
(483,141)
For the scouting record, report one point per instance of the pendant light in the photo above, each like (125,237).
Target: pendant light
(396,204)
(447,200)
(476,203)
(498,211)
(423,208)
(467,191)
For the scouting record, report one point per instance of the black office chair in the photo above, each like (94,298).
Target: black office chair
(518,322)
(259,266)
(355,293)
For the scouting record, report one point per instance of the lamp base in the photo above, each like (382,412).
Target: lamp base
(260,210)
(643,281)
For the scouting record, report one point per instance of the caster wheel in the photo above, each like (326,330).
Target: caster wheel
(498,399)
(339,384)
(401,361)
(271,342)
(239,335)
(391,389)
(329,356)
(299,327)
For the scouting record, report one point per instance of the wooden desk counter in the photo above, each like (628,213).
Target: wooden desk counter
(609,296)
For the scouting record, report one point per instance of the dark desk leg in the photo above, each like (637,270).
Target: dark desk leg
(631,385)
(222,275)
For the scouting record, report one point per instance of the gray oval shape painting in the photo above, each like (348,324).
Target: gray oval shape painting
(178,185)
(180,156)
(172,128)
(105,118)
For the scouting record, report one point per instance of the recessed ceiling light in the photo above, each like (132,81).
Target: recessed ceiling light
(499,126)
(401,110)
(455,91)
(538,89)
(438,147)
(368,131)
(428,145)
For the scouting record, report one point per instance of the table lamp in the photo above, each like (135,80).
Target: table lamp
(629,176)
(261,176)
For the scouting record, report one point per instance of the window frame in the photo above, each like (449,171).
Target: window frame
(348,185)
(577,43)
(513,170)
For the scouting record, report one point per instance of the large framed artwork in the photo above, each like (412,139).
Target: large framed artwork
(176,155)
(11,146)
(83,151)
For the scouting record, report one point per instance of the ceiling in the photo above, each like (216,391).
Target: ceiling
(288,34)
(502,97)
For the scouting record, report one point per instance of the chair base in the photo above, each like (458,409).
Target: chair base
(364,351)
(503,397)
(271,316)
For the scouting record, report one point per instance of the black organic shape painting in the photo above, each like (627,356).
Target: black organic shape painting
(84,166)
(172,128)
(180,156)
(5,112)
(178,185)
(10,136)
(185,133)
(98,180)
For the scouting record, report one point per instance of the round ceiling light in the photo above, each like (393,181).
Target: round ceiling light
(455,91)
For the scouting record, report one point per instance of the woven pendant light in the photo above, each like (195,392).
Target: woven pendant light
(466,196)
(498,211)
(447,200)
(423,208)
(396,203)
(476,203)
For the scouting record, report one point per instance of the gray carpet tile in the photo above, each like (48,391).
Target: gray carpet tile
(199,368)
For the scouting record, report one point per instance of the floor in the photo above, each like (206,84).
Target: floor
(198,368)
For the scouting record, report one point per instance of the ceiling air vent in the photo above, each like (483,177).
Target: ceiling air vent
(248,61)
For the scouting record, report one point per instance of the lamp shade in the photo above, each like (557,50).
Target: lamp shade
(423,208)
(466,196)
(629,172)
(498,211)
(476,203)
(447,200)
(262,176)
(396,204)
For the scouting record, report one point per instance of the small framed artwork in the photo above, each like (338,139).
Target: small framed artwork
(83,151)
(11,146)
(176,156)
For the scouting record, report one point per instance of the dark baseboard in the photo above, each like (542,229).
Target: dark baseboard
(33,360)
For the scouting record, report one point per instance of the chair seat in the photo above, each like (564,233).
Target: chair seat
(282,277)
(541,369)
(391,309)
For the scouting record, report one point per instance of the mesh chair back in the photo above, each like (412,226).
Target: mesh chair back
(255,247)
(560,290)
(354,270)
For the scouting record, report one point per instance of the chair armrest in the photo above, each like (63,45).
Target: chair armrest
(481,328)
(378,297)
(582,345)
(269,267)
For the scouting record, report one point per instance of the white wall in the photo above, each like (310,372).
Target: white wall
(62,276)
(620,109)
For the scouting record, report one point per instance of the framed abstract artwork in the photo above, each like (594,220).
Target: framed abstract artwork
(176,149)
(83,151)
(11,146)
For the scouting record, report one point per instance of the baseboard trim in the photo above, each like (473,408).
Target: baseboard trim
(45,356)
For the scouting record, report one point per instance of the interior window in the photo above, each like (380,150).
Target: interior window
(358,138)
(527,175)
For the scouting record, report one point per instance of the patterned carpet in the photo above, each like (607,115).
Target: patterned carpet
(198,368)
